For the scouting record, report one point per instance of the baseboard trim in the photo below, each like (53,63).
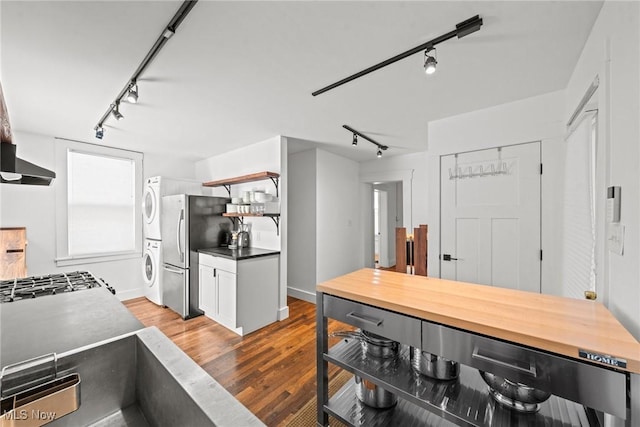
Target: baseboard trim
(283,313)
(303,295)
(129,294)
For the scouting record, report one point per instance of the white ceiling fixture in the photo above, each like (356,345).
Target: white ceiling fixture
(130,91)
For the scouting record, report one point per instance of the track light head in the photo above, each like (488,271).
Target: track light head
(116,111)
(379,153)
(99,132)
(132,95)
(430,62)
(355,140)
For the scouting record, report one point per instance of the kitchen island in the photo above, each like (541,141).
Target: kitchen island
(574,349)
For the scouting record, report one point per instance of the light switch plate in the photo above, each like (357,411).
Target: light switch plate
(615,237)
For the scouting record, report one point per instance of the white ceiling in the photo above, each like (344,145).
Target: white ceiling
(236,73)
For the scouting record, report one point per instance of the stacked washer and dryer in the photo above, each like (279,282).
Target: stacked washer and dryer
(155,188)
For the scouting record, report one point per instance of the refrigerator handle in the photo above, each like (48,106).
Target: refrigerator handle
(173,270)
(178,228)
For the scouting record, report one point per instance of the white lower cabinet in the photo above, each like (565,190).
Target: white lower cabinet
(241,295)
(207,287)
(227,298)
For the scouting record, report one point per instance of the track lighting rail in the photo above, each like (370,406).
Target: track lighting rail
(166,34)
(356,134)
(464,28)
(361,135)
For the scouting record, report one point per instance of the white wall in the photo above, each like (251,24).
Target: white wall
(34,207)
(258,157)
(158,165)
(367,247)
(411,170)
(399,206)
(302,225)
(612,53)
(533,119)
(269,155)
(338,232)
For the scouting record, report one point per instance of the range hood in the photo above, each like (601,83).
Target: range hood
(14,170)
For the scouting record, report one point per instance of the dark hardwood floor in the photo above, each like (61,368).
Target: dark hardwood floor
(271,371)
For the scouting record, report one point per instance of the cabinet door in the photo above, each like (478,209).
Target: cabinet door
(13,258)
(207,287)
(227,297)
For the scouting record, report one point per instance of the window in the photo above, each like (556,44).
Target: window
(579,220)
(98,210)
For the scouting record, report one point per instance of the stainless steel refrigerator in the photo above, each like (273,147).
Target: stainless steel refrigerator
(188,223)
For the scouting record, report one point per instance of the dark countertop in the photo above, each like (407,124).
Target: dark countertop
(238,254)
(58,323)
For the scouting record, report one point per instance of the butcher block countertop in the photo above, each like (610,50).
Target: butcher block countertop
(551,323)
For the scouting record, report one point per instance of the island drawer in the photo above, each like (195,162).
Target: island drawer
(570,379)
(398,327)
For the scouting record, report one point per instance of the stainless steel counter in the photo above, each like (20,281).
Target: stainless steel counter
(131,375)
(58,323)
(239,254)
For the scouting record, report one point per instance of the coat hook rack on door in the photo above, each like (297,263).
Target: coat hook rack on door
(499,167)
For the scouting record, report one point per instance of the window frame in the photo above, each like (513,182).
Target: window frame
(62,147)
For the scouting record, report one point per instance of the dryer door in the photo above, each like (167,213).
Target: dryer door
(150,205)
(149,268)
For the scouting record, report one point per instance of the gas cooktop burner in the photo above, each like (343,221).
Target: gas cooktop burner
(36,286)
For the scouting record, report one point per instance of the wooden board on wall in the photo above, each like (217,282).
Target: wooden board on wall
(420,249)
(401,249)
(13,252)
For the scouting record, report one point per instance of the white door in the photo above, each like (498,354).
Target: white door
(383,228)
(376,227)
(151,213)
(149,268)
(175,248)
(207,284)
(490,217)
(226,287)
(149,205)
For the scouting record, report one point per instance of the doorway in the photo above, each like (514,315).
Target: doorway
(490,217)
(387,215)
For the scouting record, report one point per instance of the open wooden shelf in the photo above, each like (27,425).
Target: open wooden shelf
(238,214)
(275,217)
(259,176)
